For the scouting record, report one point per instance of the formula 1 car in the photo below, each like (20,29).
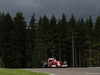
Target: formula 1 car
(52,62)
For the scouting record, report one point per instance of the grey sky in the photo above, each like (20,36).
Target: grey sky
(80,8)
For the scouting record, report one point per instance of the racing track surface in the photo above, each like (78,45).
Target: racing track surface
(67,71)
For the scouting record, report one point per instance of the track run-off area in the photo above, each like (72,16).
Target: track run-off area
(67,71)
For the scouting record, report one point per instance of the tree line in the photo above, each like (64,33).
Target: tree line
(27,46)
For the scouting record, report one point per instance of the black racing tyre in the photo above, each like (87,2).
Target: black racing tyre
(65,62)
(50,62)
(45,65)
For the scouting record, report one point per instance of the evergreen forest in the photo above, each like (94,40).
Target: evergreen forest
(28,45)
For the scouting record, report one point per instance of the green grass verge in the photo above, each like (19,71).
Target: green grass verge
(4,71)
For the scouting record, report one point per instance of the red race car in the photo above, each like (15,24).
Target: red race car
(52,62)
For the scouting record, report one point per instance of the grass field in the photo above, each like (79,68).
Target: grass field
(4,71)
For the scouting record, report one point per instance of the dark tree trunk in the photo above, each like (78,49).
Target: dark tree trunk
(59,54)
(75,58)
(73,47)
(46,56)
(79,58)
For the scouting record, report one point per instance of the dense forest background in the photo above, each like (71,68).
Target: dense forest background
(27,46)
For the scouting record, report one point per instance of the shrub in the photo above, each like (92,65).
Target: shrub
(1,63)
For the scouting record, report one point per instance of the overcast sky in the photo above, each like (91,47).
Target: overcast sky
(80,8)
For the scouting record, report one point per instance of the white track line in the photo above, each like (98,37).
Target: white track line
(93,73)
(51,74)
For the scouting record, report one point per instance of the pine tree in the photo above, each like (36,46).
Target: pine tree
(80,42)
(45,35)
(72,23)
(96,44)
(6,39)
(97,33)
(89,39)
(53,34)
(62,24)
(39,55)
(29,54)
(19,40)
(1,30)
(42,39)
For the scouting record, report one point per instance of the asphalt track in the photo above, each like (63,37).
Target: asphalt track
(67,71)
